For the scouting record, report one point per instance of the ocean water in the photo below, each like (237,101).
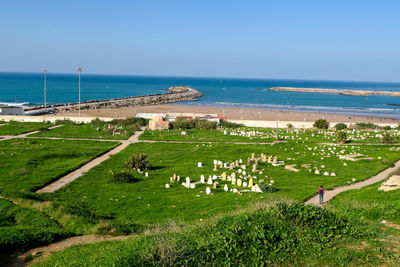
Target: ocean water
(27,89)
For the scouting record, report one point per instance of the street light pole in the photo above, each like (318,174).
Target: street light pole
(45,71)
(79,72)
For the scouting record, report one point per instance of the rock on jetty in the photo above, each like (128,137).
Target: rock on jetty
(335,91)
(173,94)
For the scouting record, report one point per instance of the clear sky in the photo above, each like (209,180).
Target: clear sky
(297,39)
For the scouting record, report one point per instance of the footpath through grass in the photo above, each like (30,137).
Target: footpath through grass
(118,129)
(28,164)
(22,228)
(16,128)
(282,235)
(98,205)
(263,135)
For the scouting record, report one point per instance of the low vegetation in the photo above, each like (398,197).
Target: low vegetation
(321,124)
(340,126)
(16,128)
(138,162)
(284,234)
(133,192)
(118,129)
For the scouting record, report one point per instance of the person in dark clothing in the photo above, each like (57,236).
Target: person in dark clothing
(321,193)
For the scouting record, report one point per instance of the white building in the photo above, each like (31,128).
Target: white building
(11,110)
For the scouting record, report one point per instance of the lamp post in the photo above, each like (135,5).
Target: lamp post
(45,71)
(79,73)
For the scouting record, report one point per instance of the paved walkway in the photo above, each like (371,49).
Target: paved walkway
(329,194)
(72,176)
(25,135)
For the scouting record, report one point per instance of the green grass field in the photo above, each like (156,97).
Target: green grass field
(182,226)
(262,135)
(16,128)
(148,202)
(22,228)
(28,164)
(369,203)
(86,131)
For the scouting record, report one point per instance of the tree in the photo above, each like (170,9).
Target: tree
(341,137)
(321,124)
(387,138)
(138,162)
(340,126)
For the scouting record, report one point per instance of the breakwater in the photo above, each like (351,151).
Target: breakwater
(173,94)
(335,91)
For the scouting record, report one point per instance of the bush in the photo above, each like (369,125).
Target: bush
(340,126)
(123,177)
(138,162)
(289,126)
(341,137)
(387,138)
(321,124)
(182,123)
(387,128)
(363,125)
(267,188)
(227,124)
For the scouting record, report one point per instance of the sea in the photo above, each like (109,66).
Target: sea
(26,89)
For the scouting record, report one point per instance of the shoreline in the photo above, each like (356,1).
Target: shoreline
(236,113)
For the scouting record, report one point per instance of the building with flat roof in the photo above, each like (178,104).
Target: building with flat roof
(11,110)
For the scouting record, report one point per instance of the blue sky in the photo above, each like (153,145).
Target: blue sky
(298,39)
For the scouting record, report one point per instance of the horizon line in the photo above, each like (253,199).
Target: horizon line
(197,77)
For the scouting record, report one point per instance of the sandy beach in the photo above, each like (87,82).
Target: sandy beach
(231,114)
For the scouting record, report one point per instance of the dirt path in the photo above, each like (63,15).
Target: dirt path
(329,194)
(72,176)
(25,135)
(17,260)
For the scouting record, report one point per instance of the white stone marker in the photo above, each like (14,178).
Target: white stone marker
(208,190)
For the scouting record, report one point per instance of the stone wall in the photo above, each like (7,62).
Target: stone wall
(173,94)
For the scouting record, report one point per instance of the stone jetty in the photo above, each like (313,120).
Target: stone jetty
(335,91)
(173,94)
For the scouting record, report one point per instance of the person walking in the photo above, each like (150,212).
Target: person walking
(321,193)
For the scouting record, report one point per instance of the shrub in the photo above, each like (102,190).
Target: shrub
(387,128)
(138,162)
(321,124)
(341,137)
(267,188)
(227,124)
(290,126)
(123,177)
(206,125)
(388,162)
(363,125)
(340,126)
(182,123)
(387,138)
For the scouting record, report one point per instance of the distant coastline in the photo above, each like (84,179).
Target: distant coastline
(334,91)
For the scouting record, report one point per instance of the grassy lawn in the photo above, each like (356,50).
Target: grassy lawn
(263,135)
(369,203)
(118,129)
(28,164)
(16,128)
(148,202)
(197,135)
(86,131)
(283,235)
(22,228)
